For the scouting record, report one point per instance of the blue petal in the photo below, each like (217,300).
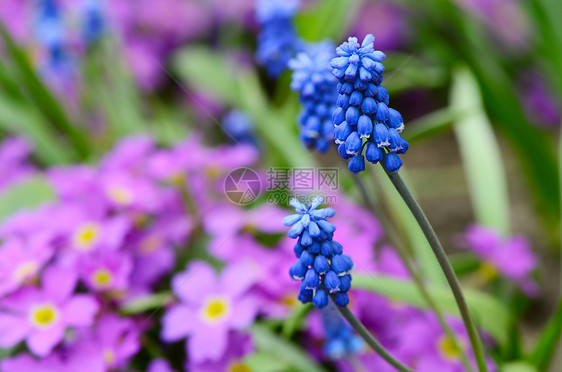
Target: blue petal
(292,219)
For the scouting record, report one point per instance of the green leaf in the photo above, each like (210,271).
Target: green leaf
(26,194)
(145,303)
(548,341)
(42,97)
(479,149)
(266,362)
(519,366)
(488,313)
(295,320)
(330,19)
(268,342)
(21,119)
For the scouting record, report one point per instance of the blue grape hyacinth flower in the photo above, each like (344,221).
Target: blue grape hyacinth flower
(321,267)
(340,339)
(313,80)
(365,126)
(278,41)
(240,127)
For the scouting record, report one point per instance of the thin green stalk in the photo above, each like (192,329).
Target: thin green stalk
(441,256)
(371,340)
(418,280)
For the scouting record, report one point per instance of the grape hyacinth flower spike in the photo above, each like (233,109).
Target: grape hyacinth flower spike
(365,126)
(313,80)
(321,266)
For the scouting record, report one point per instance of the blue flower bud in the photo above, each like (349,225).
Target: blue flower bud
(404,146)
(339,63)
(326,248)
(341,299)
(332,282)
(379,68)
(305,220)
(348,262)
(395,140)
(395,120)
(342,152)
(326,226)
(356,98)
(392,162)
(305,295)
(338,116)
(382,112)
(321,265)
(359,85)
(357,164)
(292,219)
(376,56)
(320,298)
(369,105)
(298,271)
(337,247)
(298,249)
(352,115)
(353,144)
(343,101)
(296,230)
(314,248)
(313,229)
(351,72)
(380,135)
(346,88)
(323,213)
(345,281)
(365,75)
(364,126)
(339,264)
(311,279)
(305,240)
(373,154)
(382,95)
(341,132)
(371,90)
(306,258)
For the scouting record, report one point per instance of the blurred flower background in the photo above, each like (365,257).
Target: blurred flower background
(121,121)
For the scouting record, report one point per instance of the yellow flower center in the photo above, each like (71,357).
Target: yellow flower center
(177,179)
(86,236)
(213,172)
(109,357)
(151,244)
(487,272)
(289,300)
(43,316)
(239,367)
(120,195)
(25,271)
(448,349)
(102,278)
(215,309)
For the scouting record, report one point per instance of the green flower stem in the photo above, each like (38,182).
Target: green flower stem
(371,340)
(441,256)
(418,280)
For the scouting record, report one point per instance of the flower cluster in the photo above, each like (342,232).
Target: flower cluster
(111,237)
(316,85)
(278,41)
(363,120)
(321,266)
(340,339)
